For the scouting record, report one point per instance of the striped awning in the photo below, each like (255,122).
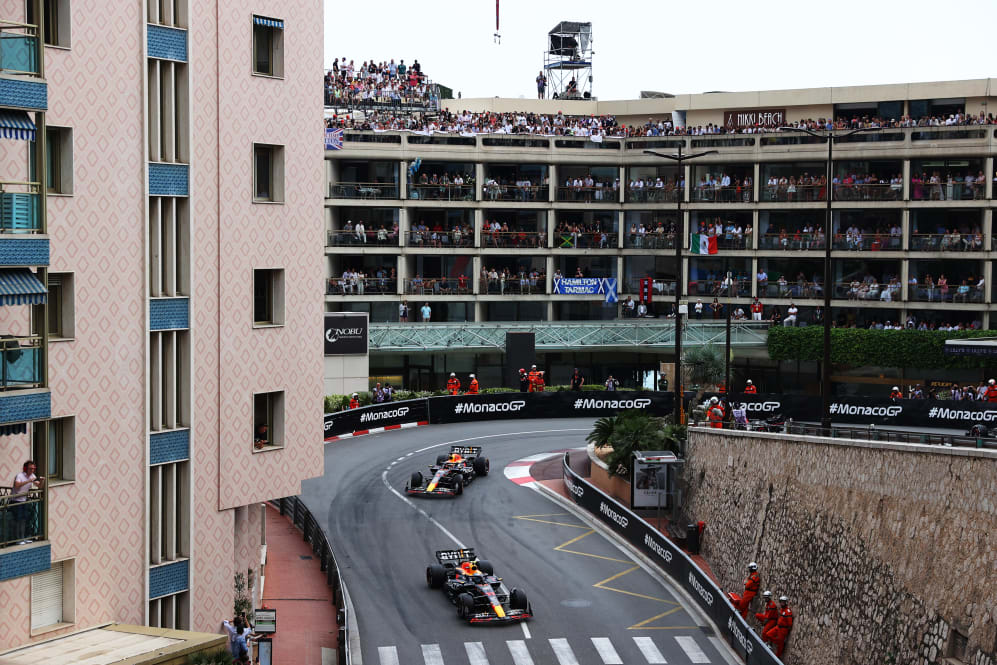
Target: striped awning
(16,428)
(16,125)
(20,286)
(269,22)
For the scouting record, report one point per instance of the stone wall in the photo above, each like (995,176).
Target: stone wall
(885,550)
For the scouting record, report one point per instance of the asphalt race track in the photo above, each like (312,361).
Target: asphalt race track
(592,603)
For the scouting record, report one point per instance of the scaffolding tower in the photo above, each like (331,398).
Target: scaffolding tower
(568,61)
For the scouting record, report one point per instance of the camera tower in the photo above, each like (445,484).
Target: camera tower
(568,61)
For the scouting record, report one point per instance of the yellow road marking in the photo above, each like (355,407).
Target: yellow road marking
(562,548)
(643,624)
(534,519)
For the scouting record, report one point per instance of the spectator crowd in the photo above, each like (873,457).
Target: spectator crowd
(347,84)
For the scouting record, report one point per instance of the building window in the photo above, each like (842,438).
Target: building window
(268,420)
(58,160)
(268,173)
(57,21)
(268,297)
(268,46)
(59,451)
(61,308)
(53,597)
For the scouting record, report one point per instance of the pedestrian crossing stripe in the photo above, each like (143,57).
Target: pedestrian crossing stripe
(476,654)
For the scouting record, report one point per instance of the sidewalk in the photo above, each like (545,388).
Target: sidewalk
(296,587)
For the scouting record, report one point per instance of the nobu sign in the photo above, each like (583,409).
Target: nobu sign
(345,334)
(753,117)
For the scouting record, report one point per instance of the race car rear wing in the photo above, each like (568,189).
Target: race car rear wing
(455,556)
(466,451)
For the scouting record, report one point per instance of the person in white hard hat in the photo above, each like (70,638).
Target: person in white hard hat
(453,384)
(750,388)
(768,617)
(472,387)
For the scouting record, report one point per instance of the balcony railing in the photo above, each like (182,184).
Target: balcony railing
(514,285)
(793,193)
(604,194)
(18,48)
(370,238)
(363,190)
(530,239)
(871,242)
(21,521)
(585,240)
(367,286)
(439,286)
(524,193)
(440,239)
(794,241)
(796,289)
(441,192)
(875,291)
(21,366)
(731,194)
(668,194)
(19,207)
(649,240)
(946,242)
(719,288)
(660,288)
(957,190)
(948,293)
(868,192)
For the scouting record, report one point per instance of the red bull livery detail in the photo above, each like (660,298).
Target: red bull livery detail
(451,473)
(471,584)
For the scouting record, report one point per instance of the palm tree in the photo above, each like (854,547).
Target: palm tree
(703,366)
(631,431)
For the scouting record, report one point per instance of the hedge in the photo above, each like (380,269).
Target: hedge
(858,347)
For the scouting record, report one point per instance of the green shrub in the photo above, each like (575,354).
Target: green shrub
(630,431)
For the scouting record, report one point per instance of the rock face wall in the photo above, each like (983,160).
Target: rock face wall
(887,552)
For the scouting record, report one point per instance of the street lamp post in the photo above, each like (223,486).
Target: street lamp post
(829,137)
(680,159)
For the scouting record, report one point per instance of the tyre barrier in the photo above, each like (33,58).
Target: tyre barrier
(312,533)
(684,572)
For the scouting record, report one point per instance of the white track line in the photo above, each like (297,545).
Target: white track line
(688,644)
(606,651)
(520,654)
(650,651)
(387,655)
(565,656)
(431,654)
(476,653)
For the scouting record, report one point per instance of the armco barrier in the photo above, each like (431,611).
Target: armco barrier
(495,406)
(708,596)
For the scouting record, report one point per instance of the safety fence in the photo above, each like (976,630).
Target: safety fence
(710,598)
(313,534)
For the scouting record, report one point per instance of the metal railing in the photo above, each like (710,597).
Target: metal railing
(794,241)
(667,194)
(946,242)
(370,238)
(524,193)
(719,288)
(530,239)
(868,192)
(18,48)
(873,433)
(794,289)
(440,239)
(717,194)
(441,192)
(873,242)
(553,336)
(649,240)
(363,190)
(957,190)
(856,290)
(20,207)
(21,365)
(514,285)
(585,240)
(439,286)
(793,193)
(21,521)
(605,194)
(313,534)
(367,286)
(947,293)
(660,288)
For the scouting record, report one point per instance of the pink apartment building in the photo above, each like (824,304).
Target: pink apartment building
(161,189)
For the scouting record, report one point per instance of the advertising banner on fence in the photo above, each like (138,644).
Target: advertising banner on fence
(501,406)
(586,286)
(674,562)
(376,415)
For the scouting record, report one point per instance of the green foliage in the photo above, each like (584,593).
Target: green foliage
(703,365)
(219,657)
(631,431)
(243,603)
(858,347)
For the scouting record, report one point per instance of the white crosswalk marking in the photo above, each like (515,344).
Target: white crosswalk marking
(387,655)
(650,651)
(606,651)
(431,654)
(688,644)
(565,656)
(476,653)
(520,654)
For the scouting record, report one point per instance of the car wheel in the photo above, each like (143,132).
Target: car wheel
(436,575)
(465,606)
(415,482)
(440,459)
(458,485)
(517,600)
(481,466)
(486,567)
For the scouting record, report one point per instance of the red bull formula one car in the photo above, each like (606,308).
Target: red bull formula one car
(451,473)
(471,585)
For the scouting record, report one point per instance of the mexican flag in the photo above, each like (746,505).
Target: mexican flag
(703,244)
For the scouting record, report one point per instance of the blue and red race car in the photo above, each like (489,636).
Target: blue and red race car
(471,585)
(450,474)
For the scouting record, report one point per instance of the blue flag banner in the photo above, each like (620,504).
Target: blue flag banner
(333,139)
(587,286)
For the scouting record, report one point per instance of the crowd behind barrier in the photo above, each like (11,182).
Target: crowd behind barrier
(379,84)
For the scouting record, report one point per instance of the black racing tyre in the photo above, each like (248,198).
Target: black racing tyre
(436,575)
(481,466)
(415,482)
(465,606)
(486,567)
(440,459)
(517,600)
(458,484)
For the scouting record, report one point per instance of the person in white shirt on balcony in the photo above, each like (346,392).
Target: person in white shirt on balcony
(361,232)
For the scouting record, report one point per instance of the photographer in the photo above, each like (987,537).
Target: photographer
(239,630)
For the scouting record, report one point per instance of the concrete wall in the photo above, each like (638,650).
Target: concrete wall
(346,374)
(884,550)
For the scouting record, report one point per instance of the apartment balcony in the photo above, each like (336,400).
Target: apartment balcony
(364,191)
(439,286)
(946,242)
(19,52)
(448,192)
(379,238)
(20,208)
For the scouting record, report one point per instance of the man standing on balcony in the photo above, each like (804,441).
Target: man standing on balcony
(25,514)
(427,313)
(756,310)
